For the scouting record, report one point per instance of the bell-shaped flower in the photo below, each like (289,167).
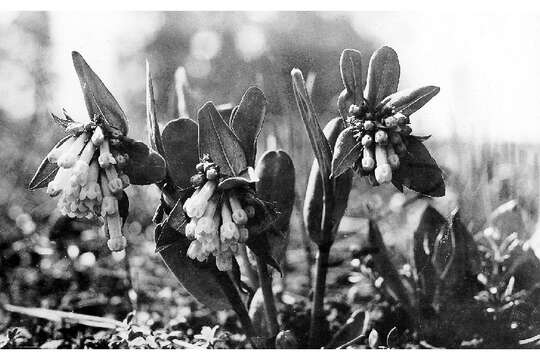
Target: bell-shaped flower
(82,168)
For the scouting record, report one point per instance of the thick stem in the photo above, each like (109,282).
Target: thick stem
(317,310)
(265,280)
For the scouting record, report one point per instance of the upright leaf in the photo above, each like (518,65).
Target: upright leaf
(99,100)
(350,65)
(219,141)
(313,202)
(384,266)
(431,225)
(247,121)
(154,136)
(383,75)
(181,150)
(319,144)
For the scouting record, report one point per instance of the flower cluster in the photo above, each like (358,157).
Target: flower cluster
(218,218)
(89,180)
(381,135)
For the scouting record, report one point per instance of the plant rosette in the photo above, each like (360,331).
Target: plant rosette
(377,140)
(91,166)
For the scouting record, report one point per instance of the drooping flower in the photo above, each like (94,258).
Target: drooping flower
(210,196)
(89,169)
(377,140)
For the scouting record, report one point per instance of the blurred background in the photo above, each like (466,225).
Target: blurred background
(484,123)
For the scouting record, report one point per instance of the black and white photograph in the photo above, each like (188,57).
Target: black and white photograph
(269,179)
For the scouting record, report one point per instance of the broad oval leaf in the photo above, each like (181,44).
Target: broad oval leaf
(248,120)
(144,166)
(313,202)
(346,152)
(383,75)
(152,126)
(350,65)
(419,171)
(275,171)
(219,141)
(98,99)
(408,101)
(46,171)
(181,150)
(199,279)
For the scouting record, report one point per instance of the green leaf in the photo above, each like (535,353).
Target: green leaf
(431,225)
(152,126)
(200,279)
(319,144)
(144,166)
(419,171)
(245,178)
(313,202)
(385,267)
(383,75)
(181,150)
(275,171)
(46,171)
(408,101)
(248,120)
(350,65)
(62,122)
(219,141)
(98,99)
(346,152)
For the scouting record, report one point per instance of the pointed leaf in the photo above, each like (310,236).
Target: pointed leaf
(199,279)
(408,101)
(177,217)
(144,166)
(431,225)
(383,75)
(319,144)
(248,120)
(418,170)
(219,141)
(257,314)
(346,152)
(98,99)
(275,171)
(385,267)
(152,126)
(62,122)
(181,150)
(350,64)
(313,202)
(46,171)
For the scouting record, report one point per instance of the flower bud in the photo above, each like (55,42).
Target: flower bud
(368,163)
(239,216)
(369,125)
(121,160)
(80,172)
(390,121)
(244,235)
(70,156)
(393,159)
(381,137)
(194,249)
(250,211)
(401,119)
(198,206)
(367,140)
(212,173)
(200,167)
(97,137)
(224,261)
(285,339)
(354,110)
(109,205)
(190,229)
(197,180)
(105,158)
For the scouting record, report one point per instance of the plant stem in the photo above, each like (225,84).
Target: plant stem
(317,310)
(265,280)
